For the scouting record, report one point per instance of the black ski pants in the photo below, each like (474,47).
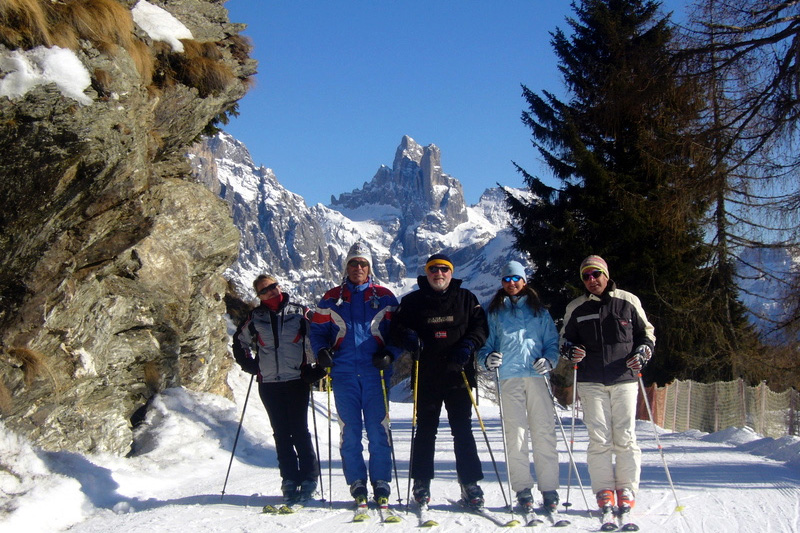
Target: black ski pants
(459,414)
(287,406)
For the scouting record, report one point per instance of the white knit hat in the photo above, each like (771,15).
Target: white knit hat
(361,251)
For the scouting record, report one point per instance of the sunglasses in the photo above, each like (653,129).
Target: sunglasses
(268,288)
(438,268)
(509,279)
(594,274)
(354,263)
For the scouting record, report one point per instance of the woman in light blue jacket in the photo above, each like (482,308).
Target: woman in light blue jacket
(522,347)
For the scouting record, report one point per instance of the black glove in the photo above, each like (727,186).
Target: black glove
(312,373)
(250,366)
(573,352)
(325,358)
(382,359)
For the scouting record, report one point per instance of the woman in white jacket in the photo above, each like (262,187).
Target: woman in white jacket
(522,347)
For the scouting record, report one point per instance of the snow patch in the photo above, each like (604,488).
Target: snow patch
(25,70)
(160,25)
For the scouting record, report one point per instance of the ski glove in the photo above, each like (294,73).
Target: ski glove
(573,352)
(413,343)
(542,365)
(494,360)
(312,373)
(382,359)
(325,358)
(462,352)
(640,356)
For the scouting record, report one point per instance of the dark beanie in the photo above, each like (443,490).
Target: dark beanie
(439,259)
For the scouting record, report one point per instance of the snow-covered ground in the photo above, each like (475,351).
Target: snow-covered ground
(731,481)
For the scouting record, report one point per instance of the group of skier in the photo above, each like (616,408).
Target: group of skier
(359,329)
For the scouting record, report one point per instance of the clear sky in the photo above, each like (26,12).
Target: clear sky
(340,83)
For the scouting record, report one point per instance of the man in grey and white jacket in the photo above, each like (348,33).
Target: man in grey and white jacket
(607,334)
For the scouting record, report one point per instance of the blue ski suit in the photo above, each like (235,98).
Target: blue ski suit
(353,320)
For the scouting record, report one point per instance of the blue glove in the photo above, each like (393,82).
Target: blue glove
(413,343)
(462,352)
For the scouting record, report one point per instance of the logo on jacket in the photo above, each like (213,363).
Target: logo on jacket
(440,335)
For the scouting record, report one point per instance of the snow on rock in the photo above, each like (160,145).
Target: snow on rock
(160,24)
(27,69)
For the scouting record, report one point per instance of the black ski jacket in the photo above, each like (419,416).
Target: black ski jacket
(610,327)
(442,320)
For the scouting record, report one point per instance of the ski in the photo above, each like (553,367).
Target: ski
(625,523)
(608,521)
(284,508)
(531,520)
(529,516)
(555,518)
(388,516)
(361,513)
(422,515)
(486,513)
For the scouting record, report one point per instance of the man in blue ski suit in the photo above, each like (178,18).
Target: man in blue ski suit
(347,334)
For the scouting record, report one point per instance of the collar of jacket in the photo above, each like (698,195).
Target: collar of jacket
(281,306)
(353,288)
(607,294)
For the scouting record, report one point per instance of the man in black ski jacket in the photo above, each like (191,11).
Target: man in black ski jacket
(449,324)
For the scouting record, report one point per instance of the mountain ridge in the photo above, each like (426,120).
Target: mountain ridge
(404,214)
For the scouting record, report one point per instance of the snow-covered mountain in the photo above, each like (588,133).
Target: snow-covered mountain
(405,213)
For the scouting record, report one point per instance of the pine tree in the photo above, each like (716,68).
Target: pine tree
(633,184)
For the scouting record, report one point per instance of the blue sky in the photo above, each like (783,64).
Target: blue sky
(340,83)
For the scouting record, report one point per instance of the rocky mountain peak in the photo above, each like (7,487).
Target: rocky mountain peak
(425,196)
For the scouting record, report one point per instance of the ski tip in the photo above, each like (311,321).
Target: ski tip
(393,519)
(511,523)
(680,508)
(429,523)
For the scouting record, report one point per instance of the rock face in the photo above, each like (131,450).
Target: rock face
(280,234)
(111,282)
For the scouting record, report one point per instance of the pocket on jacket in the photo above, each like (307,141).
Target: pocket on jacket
(621,329)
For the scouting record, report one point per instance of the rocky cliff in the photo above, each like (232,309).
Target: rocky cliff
(111,282)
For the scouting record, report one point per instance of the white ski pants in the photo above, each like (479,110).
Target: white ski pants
(528,409)
(609,412)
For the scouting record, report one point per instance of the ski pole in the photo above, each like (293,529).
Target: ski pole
(567,503)
(389,432)
(485,436)
(678,506)
(236,440)
(413,430)
(564,436)
(503,429)
(316,437)
(330,468)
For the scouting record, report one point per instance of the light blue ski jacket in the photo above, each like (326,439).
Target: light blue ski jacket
(522,337)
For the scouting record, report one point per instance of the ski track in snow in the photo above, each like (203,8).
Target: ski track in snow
(176,486)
